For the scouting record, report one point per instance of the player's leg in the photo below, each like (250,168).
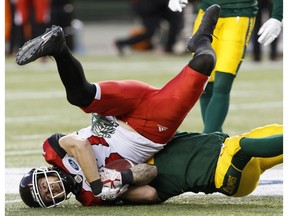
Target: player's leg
(101,97)
(232,39)
(251,173)
(104,98)
(164,111)
(218,106)
(235,161)
(52,42)
(266,143)
(205,99)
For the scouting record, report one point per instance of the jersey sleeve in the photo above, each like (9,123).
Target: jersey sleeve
(53,152)
(277,11)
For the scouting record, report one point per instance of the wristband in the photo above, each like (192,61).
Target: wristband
(96,187)
(127,176)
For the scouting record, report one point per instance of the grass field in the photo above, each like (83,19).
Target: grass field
(36,107)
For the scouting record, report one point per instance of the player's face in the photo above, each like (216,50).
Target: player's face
(56,189)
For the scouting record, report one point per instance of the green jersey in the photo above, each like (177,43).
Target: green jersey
(187,163)
(233,8)
(244,8)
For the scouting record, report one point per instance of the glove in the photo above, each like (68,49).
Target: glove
(110,178)
(269,31)
(177,5)
(102,127)
(111,194)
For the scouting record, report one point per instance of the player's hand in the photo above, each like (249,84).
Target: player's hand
(269,31)
(177,5)
(110,178)
(111,194)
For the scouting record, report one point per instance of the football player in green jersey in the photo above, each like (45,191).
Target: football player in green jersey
(209,163)
(232,34)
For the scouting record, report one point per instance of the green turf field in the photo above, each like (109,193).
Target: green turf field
(36,107)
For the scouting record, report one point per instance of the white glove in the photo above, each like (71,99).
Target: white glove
(112,193)
(110,178)
(269,31)
(177,5)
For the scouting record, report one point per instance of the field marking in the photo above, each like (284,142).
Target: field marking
(233,107)
(13,201)
(32,95)
(27,152)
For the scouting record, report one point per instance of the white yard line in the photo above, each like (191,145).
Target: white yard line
(271,182)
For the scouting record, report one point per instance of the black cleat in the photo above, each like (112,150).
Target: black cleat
(49,43)
(208,23)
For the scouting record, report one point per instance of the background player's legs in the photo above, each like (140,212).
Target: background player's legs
(218,102)
(230,45)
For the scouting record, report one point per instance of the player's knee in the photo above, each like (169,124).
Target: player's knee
(203,62)
(74,100)
(81,96)
(80,100)
(151,196)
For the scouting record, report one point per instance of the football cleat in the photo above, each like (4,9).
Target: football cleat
(47,44)
(206,28)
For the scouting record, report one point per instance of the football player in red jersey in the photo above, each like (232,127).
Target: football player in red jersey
(146,117)
(68,169)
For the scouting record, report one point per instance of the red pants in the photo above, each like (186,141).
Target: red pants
(154,113)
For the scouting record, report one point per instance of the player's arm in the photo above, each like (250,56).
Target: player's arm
(81,149)
(140,192)
(142,174)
